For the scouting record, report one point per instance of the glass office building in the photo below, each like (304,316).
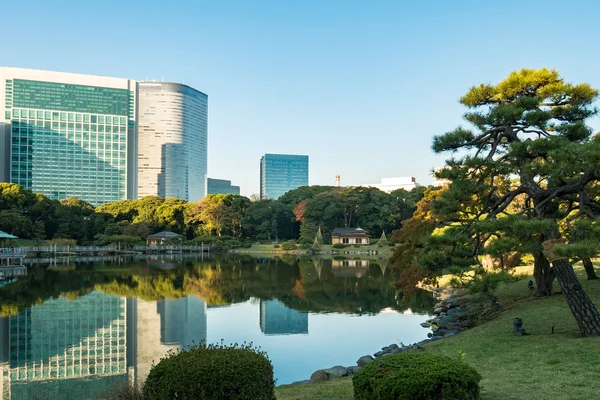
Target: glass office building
(280,173)
(65,134)
(221,186)
(173,156)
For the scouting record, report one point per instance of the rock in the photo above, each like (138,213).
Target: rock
(396,351)
(437,310)
(456,313)
(385,349)
(379,354)
(451,333)
(435,329)
(364,360)
(393,347)
(425,324)
(444,321)
(429,335)
(438,305)
(352,370)
(336,372)
(319,376)
(433,339)
(440,332)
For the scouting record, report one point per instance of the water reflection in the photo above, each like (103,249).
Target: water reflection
(76,330)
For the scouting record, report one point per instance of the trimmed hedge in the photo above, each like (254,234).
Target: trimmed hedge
(410,376)
(289,245)
(212,372)
(339,246)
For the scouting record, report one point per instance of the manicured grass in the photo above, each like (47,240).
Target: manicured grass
(540,365)
(340,389)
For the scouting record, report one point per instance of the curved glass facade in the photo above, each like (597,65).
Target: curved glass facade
(172,141)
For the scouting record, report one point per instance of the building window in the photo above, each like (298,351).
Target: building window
(358,240)
(345,240)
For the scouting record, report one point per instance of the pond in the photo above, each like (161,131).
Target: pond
(73,330)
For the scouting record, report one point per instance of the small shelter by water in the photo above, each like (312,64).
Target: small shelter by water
(160,238)
(350,236)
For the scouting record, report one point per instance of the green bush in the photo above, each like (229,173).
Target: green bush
(413,375)
(305,246)
(212,372)
(247,245)
(276,246)
(357,245)
(339,246)
(289,245)
(305,240)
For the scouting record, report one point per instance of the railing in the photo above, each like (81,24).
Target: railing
(10,251)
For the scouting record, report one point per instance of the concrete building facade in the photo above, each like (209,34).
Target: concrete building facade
(172,135)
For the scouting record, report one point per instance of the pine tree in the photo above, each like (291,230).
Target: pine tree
(383,242)
(529,161)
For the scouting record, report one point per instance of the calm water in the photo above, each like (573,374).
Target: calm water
(74,330)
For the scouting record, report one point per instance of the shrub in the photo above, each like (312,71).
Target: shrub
(305,240)
(357,245)
(413,375)
(306,246)
(289,245)
(339,246)
(276,246)
(212,372)
(247,245)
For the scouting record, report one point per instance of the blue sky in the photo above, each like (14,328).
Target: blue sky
(359,86)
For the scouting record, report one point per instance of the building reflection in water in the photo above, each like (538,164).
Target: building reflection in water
(76,349)
(277,319)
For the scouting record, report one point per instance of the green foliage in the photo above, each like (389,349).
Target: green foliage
(485,282)
(276,246)
(212,372)
(413,375)
(339,246)
(382,242)
(289,245)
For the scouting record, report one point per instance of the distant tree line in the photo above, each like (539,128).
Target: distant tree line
(297,215)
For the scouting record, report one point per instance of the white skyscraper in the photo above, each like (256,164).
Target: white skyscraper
(172,141)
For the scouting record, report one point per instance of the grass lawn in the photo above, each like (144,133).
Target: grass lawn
(269,248)
(538,366)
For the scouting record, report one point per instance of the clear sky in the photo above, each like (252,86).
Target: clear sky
(359,86)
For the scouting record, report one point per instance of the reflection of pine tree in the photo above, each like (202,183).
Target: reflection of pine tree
(382,240)
(318,264)
(383,264)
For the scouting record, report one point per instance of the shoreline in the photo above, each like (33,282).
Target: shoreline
(449,319)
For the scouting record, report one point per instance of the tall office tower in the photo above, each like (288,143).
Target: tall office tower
(172,156)
(277,319)
(64,134)
(280,173)
(221,186)
(65,348)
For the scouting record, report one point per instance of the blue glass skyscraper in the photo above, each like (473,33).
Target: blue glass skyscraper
(280,173)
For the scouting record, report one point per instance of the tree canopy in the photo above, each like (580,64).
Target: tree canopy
(527,161)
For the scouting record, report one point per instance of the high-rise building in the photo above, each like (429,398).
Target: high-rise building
(173,156)
(277,319)
(280,173)
(221,186)
(64,134)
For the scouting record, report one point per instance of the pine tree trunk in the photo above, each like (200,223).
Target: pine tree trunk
(581,306)
(589,269)
(543,274)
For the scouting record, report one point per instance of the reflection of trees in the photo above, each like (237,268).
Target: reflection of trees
(305,284)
